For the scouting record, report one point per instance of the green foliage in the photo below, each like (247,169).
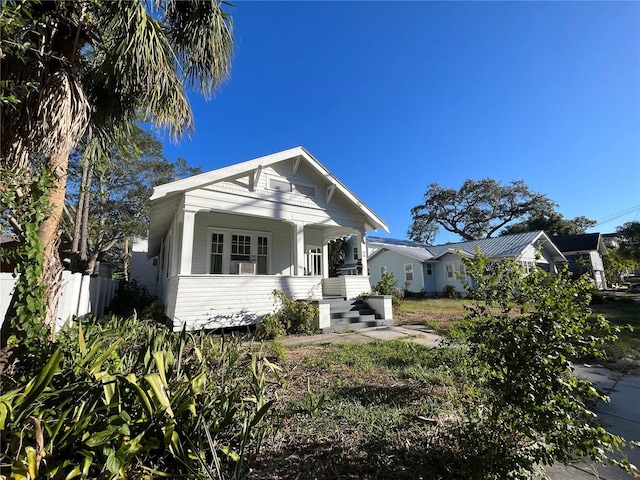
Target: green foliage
(27,319)
(124,399)
(449,291)
(293,316)
(133,299)
(388,285)
(478,209)
(552,223)
(528,408)
(271,327)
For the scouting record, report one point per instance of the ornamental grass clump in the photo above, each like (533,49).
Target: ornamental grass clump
(124,398)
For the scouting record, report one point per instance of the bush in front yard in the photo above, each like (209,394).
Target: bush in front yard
(528,409)
(293,316)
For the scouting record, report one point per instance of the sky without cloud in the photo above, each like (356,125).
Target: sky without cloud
(392,96)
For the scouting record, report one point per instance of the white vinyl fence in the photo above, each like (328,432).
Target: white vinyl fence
(81,295)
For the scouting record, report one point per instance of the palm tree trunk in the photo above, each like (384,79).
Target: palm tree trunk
(49,229)
(84,234)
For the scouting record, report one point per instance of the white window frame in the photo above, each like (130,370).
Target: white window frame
(454,271)
(226,250)
(428,269)
(383,270)
(408,271)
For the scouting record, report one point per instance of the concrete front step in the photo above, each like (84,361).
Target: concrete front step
(357,326)
(352,313)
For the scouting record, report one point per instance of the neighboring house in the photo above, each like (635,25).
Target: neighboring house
(352,259)
(429,269)
(584,254)
(226,239)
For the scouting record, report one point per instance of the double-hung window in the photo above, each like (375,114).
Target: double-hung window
(453,271)
(217,250)
(233,252)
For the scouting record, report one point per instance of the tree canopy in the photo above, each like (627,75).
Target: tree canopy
(479,209)
(111,201)
(629,234)
(553,223)
(71,69)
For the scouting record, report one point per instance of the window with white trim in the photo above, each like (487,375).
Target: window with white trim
(217,245)
(408,272)
(241,248)
(428,269)
(238,252)
(383,270)
(263,256)
(355,253)
(528,265)
(454,270)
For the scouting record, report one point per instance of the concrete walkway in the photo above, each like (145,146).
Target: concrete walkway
(621,416)
(411,333)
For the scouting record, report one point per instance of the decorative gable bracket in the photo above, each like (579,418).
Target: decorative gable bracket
(330,190)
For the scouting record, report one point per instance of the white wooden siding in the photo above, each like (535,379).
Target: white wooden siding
(206,301)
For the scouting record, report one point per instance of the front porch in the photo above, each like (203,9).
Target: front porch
(222,301)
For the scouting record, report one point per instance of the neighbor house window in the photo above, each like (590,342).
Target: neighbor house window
(428,268)
(453,270)
(217,246)
(355,253)
(383,270)
(528,265)
(408,272)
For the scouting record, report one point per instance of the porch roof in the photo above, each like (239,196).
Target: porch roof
(166,198)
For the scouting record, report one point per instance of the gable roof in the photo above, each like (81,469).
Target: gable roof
(415,250)
(498,247)
(165,198)
(586,242)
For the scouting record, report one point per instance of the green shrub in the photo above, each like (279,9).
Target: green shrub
(527,407)
(122,398)
(449,291)
(386,286)
(293,316)
(270,327)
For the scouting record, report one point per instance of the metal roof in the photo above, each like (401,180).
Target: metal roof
(504,246)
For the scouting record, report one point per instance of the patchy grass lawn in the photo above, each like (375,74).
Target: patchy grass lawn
(622,311)
(438,313)
(442,314)
(360,411)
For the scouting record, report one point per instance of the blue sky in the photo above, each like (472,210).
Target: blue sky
(392,96)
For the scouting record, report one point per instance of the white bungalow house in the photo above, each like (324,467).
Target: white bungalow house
(226,239)
(419,268)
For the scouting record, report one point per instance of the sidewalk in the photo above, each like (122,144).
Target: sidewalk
(621,416)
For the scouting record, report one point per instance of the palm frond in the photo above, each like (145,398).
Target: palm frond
(202,33)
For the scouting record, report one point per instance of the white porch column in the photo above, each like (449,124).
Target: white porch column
(186,255)
(362,246)
(298,243)
(325,260)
